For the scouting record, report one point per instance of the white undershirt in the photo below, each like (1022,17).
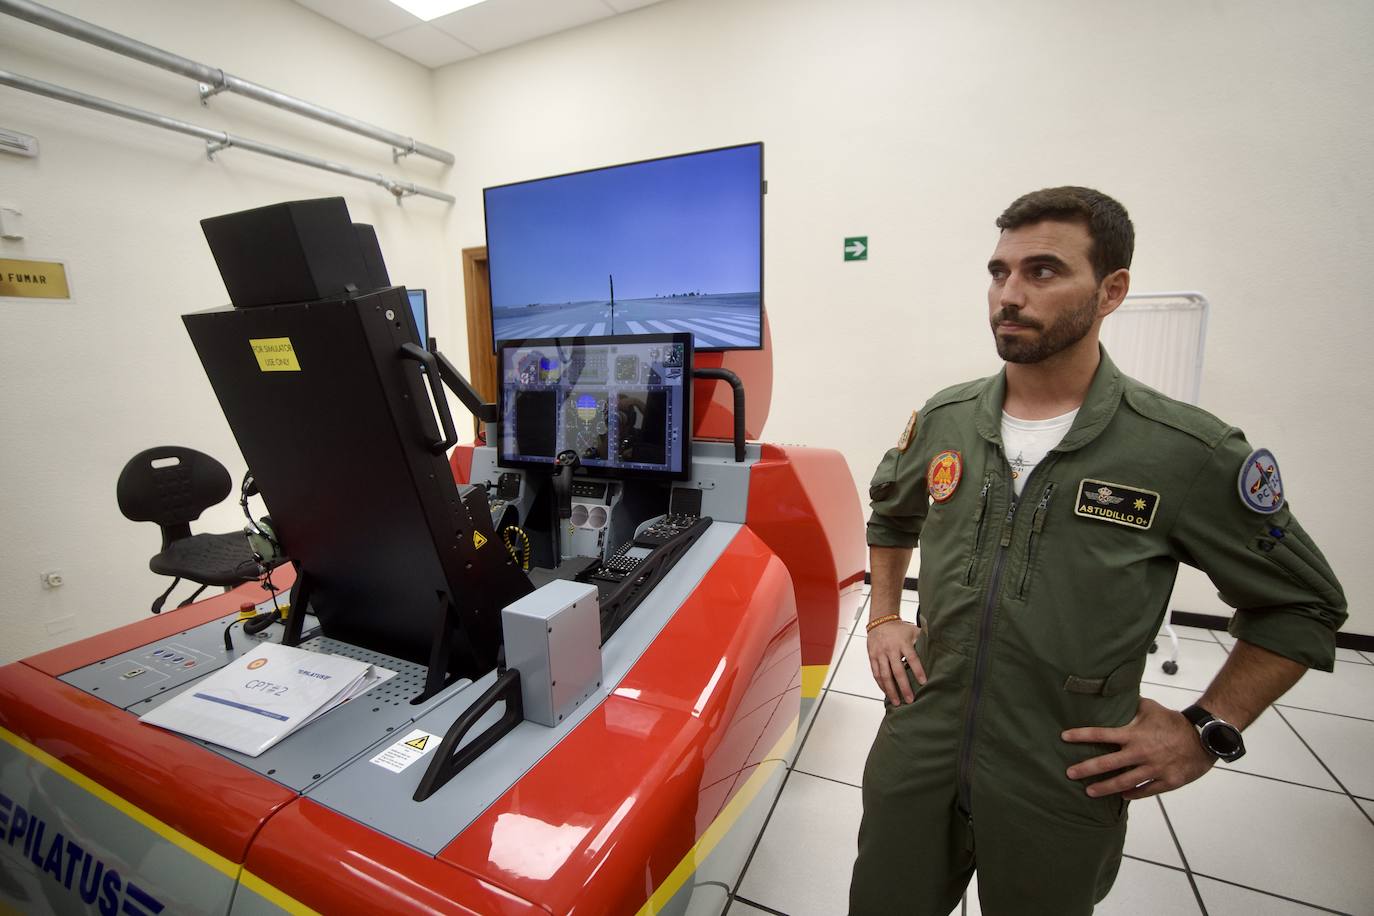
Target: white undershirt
(1028,441)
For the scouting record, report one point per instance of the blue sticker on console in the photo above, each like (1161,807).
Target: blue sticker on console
(1261,487)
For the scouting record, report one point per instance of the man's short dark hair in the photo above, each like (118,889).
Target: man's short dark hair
(1108,224)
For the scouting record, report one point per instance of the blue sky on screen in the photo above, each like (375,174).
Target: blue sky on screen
(686,224)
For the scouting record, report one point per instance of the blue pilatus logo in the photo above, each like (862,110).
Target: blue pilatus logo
(78,870)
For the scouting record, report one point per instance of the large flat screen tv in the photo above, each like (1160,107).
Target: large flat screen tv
(672,245)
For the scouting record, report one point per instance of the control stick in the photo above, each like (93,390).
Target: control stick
(566,462)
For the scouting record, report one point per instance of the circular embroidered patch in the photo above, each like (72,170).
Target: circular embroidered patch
(942,476)
(1261,487)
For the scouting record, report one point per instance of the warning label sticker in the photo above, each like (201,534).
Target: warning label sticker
(406,751)
(478,541)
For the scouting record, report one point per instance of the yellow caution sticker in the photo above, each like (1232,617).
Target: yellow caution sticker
(478,541)
(410,749)
(418,743)
(275,354)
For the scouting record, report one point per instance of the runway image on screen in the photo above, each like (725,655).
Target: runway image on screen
(665,246)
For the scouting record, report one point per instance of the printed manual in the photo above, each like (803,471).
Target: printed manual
(265,695)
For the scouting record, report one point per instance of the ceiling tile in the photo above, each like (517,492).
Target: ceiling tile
(427,45)
(370,18)
(502,23)
(624,6)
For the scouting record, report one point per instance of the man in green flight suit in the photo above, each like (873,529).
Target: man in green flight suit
(1053,503)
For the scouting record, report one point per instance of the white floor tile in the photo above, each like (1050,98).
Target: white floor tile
(853,674)
(972,907)
(1201,634)
(1367,805)
(1345,745)
(1228,900)
(1144,888)
(740,908)
(1288,840)
(838,744)
(1349,690)
(1350,655)
(1368,656)
(1148,836)
(1198,663)
(1225,638)
(841,640)
(803,862)
(1271,748)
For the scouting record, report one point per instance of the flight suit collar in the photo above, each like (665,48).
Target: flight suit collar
(1103,398)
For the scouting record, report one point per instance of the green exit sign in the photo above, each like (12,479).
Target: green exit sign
(856,248)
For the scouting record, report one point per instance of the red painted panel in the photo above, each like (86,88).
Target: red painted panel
(713,402)
(803,504)
(335,865)
(167,776)
(639,761)
(152,628)
(460,459)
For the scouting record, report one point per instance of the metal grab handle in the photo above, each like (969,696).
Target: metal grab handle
(436,388)
(446,763)
(725,375)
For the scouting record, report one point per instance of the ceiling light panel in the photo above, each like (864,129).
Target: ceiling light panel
(502,23)
(433,9)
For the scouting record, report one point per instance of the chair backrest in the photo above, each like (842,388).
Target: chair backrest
(171,486)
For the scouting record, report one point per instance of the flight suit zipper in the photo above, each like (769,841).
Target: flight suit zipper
(980,661)
(1037,523)
(978,528)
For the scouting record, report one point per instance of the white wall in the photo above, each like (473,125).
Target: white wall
(86,384)
(1236,132)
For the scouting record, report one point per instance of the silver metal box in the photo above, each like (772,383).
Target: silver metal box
(553,638)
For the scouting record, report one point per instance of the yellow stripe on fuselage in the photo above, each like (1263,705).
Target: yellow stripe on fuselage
(273,896)
(720,826)
(232,870)
(813,678)
(128,809)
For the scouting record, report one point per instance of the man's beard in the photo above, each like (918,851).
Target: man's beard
(1064,333)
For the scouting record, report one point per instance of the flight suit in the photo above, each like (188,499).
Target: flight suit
(1036,616)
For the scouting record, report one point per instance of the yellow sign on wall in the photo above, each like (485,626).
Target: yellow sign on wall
(275,354)
(33,279)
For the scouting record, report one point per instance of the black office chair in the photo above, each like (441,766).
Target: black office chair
(172,486)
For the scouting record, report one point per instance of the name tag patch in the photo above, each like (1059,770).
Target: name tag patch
(1116,503)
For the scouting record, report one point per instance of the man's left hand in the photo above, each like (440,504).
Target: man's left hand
(1160,751)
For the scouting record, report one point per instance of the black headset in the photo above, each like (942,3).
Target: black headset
(262,537)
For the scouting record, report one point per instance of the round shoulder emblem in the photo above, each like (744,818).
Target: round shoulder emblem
(1261,488)
(942,476)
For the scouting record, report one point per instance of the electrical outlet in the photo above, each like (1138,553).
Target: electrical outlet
(51,579)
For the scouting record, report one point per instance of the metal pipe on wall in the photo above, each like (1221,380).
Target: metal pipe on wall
(212,80)
(215,140)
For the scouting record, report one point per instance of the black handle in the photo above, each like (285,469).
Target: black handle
(725,375)
(447,764)
(436,388)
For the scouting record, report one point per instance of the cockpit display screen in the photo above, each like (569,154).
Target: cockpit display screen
(622,403)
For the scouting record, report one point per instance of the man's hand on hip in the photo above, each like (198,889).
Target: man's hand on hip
(889,644)
(1160,751)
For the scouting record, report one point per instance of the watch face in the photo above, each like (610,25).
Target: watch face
(1223,740)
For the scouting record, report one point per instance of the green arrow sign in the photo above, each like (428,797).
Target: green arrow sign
(856,248)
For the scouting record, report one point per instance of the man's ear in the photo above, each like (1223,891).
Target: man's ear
(1114,288)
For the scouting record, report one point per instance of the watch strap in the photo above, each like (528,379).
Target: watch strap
(1197,715)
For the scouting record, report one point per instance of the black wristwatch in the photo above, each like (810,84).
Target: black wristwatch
(1219,738)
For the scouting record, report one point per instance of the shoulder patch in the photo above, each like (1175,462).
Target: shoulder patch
(907,434)
(1185,418)
(956,393)
(1260,485)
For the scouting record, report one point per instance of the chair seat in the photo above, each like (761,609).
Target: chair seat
(211,559)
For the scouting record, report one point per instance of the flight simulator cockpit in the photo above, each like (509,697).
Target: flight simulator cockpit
(599,630)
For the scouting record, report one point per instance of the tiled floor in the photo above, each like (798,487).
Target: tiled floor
(1289,829)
